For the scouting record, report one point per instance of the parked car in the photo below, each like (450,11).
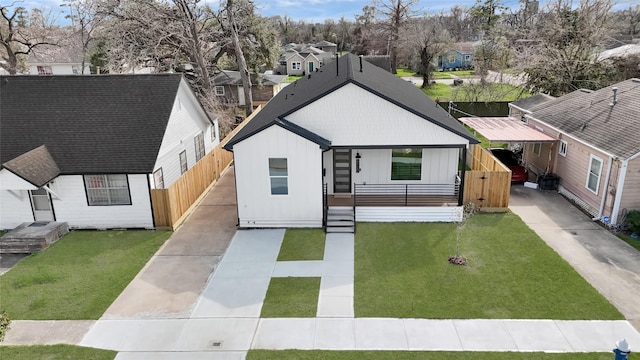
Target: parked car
(512,161)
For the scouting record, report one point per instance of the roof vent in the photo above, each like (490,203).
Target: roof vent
(615,96)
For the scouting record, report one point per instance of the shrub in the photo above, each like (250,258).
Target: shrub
(633,221)
(4,324)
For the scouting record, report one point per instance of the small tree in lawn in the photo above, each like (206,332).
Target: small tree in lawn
(467,211)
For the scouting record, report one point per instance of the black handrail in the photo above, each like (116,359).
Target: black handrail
(325,206)
(405,194)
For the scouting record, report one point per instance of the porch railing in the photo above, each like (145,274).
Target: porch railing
(405,194)
(325,205)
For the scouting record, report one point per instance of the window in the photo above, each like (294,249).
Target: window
(296,65)
(406,164)
(75,69)
(183,162)
(219,90)
(562,150)
(158,179)
(452,58)
(278,175)
(593,176)
(107,190)
(213,133)
(467,58)
(536,148)
(45,70)
(199,144)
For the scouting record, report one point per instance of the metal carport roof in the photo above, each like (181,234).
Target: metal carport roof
(505,129)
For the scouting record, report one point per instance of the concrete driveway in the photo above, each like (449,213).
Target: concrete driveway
(608,263)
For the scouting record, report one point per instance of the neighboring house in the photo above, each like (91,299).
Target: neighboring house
(459,56)
(518,109)
(65,59)
(87,150)
(230,91)
(351,133)
(597,155)
(294,63)
(620,52)
(327,47)
(302,59)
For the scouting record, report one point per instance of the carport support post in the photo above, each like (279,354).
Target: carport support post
(463,168)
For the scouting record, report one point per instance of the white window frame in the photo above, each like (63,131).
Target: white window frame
(296,65)
(213,133)
(75,69)
(98,186)
(539,149)
(273,176)
(589,173)
(44,70)
(158,179)
(184,165)
(198,144)
(219,90)
(562,149)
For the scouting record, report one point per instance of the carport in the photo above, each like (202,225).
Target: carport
(511,130)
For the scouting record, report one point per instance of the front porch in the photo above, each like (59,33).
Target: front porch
(422,195)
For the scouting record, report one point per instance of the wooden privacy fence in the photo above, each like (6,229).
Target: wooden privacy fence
(171,205)
(488,183)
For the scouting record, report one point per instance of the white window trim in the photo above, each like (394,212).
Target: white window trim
(296,65)
(563,148)
(586,184)
(158,179)
(107,189)
(213,133)
(183,168)
(219,90)
(198,145)
(539,145)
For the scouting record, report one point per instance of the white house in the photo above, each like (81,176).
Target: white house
(86,150)
(355,135)
(65,59)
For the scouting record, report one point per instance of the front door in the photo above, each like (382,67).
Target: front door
(342,171)
(311,66)
(41,204)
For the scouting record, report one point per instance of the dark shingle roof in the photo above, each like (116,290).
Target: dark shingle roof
(36,166)
(533,102)
(381,61)
(89,124)
(590,117)
(373,79)
(228,77)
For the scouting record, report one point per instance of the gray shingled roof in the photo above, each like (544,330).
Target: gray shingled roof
(36,166)
(372,78)
(590,117)
(228,77)
(533,102)
(90,124)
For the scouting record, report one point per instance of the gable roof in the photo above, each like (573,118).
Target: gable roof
(324,43)
(96,124)
(533,102)
(464,47)
(228,77)
(36,166)
(373,79)
(591,117)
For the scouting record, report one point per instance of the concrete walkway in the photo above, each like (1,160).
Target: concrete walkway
(608,263)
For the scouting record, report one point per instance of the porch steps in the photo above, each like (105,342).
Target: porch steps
(29,238)
(341,219)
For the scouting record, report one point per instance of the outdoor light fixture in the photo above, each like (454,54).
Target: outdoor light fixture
(358,157)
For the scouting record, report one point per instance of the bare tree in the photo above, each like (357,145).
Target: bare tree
(427,37)
(395,13)
(86,16)
(235,41)
(19,36)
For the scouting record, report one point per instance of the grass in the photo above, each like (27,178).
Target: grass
(629,240)
(420,355)
(291,297)
(491,92)
(292,78)
(404,72)
(401,270)
(302,244)
(54,352)
(79,276)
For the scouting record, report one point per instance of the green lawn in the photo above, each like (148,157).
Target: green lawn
(475,93)
(291,297)
(420,355)
(54,352)
(302,244)
(629,240)
(401,270)
(292,78)
(79,276)
(404,72)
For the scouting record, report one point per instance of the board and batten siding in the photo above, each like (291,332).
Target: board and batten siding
(302,207)
(72,206)
(352,116)
(631,193)
(186,121)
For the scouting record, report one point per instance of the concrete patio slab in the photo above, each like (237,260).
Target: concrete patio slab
(279,334)
(424,334)
(335,306)
(336,286)
(308,268)
(191,355)
(232,297)
(335,334)
(47,332)
(537,335)
(341,268)
(380,334)
(484,335)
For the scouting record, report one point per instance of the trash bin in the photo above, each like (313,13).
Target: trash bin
(548,181)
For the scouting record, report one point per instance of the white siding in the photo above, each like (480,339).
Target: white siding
(186,121)
(409,214)
(10,181)
(352,116)
(60,69)
(15,208)
(302,207)
(72,205)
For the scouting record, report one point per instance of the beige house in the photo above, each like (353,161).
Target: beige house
(597,155)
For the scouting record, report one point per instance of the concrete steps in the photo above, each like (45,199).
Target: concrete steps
(341,219)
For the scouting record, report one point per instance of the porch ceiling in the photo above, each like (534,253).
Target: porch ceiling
(505,129)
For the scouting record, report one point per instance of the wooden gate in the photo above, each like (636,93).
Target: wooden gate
(488,183)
